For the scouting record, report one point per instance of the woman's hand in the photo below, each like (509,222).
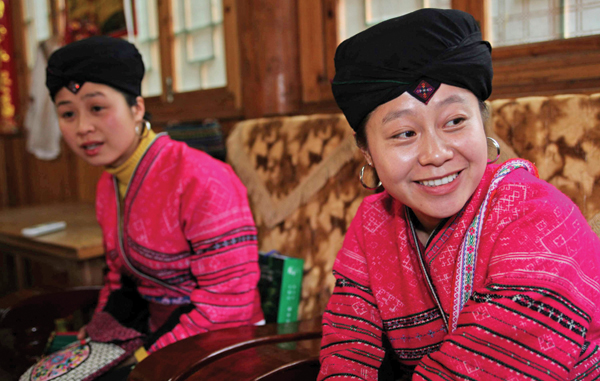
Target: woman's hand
(82,333)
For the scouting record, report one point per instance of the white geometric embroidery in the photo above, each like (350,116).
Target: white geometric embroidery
(471,367)
(481,313)
(546,342)
(359,308)
(387,299)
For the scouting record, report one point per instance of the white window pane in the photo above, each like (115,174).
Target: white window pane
(199,45)
(188,75)
(217,11)
(358,15)
(146,18)
(198,14)
(178,8)
(152,84)
(380,10)
(583,17)
(42,20)
(214,73)
(525,21)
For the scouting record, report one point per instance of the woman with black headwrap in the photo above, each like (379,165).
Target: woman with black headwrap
(460,268)
(179,236)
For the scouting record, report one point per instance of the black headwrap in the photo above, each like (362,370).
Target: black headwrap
(413,53)
(101,59)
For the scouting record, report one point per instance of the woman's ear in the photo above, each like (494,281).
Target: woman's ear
(367,155)
(138,109)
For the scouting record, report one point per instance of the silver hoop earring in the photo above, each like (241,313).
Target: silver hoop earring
(137,130)
(147,127)
(362,173)
(495,143)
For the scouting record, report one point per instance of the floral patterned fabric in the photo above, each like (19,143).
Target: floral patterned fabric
(75,362)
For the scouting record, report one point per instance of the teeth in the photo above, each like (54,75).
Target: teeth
(91,146)
(438,182)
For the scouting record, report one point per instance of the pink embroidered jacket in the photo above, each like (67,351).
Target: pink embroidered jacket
(534,307)
(188,236)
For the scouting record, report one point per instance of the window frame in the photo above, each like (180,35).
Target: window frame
(223,102)
(542,68)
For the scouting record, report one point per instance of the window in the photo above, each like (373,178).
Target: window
(199,45)
(146,40)
(516,22)
(357,15)
(184,45)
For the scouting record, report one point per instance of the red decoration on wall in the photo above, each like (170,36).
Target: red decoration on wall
(8,83)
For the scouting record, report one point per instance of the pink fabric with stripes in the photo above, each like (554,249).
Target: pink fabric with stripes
(188,236)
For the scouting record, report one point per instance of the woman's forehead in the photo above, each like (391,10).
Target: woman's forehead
(88,90)
(407,105)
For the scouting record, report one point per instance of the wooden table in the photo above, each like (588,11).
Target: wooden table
(71,257)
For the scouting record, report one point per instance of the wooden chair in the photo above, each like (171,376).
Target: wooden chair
(270,352)
(26,324)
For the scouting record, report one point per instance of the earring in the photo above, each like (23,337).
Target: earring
(147,127)
(495,143)
(362,173)
(137,130)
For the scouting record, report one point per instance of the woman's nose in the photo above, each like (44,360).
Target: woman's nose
(434,150)
(84,125)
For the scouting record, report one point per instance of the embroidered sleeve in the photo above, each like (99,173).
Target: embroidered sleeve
(536,317)
(218,224)
(112,280)
(351,348)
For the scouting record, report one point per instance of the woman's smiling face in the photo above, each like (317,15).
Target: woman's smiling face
(98,124)
(429,157)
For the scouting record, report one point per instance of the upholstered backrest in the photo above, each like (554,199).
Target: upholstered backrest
(302,174)
(302,178)
(561,136)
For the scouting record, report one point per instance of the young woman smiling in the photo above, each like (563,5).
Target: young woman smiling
(179,236)
(460,268)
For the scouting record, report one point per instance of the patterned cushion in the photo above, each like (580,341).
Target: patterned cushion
(561,136)
(302,178)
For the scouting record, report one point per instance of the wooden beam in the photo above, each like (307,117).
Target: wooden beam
(232,51)
(166,37)
(480,10)
(268,35)
(313,55)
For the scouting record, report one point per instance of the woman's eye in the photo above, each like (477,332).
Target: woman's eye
(67,114)
(405,134)
(455,122)
(97,108)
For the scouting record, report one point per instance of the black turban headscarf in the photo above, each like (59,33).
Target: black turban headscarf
(101,59)
(413,53)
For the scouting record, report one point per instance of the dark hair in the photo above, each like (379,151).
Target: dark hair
(131,100)
(361,133)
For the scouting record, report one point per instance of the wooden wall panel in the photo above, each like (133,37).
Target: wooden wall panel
(33,181)
(547,68)
(3,179)
(268,35)
(30,181)
(87,179)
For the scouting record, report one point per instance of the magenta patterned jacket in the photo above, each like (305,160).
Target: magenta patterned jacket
(526,307)
(188,237)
